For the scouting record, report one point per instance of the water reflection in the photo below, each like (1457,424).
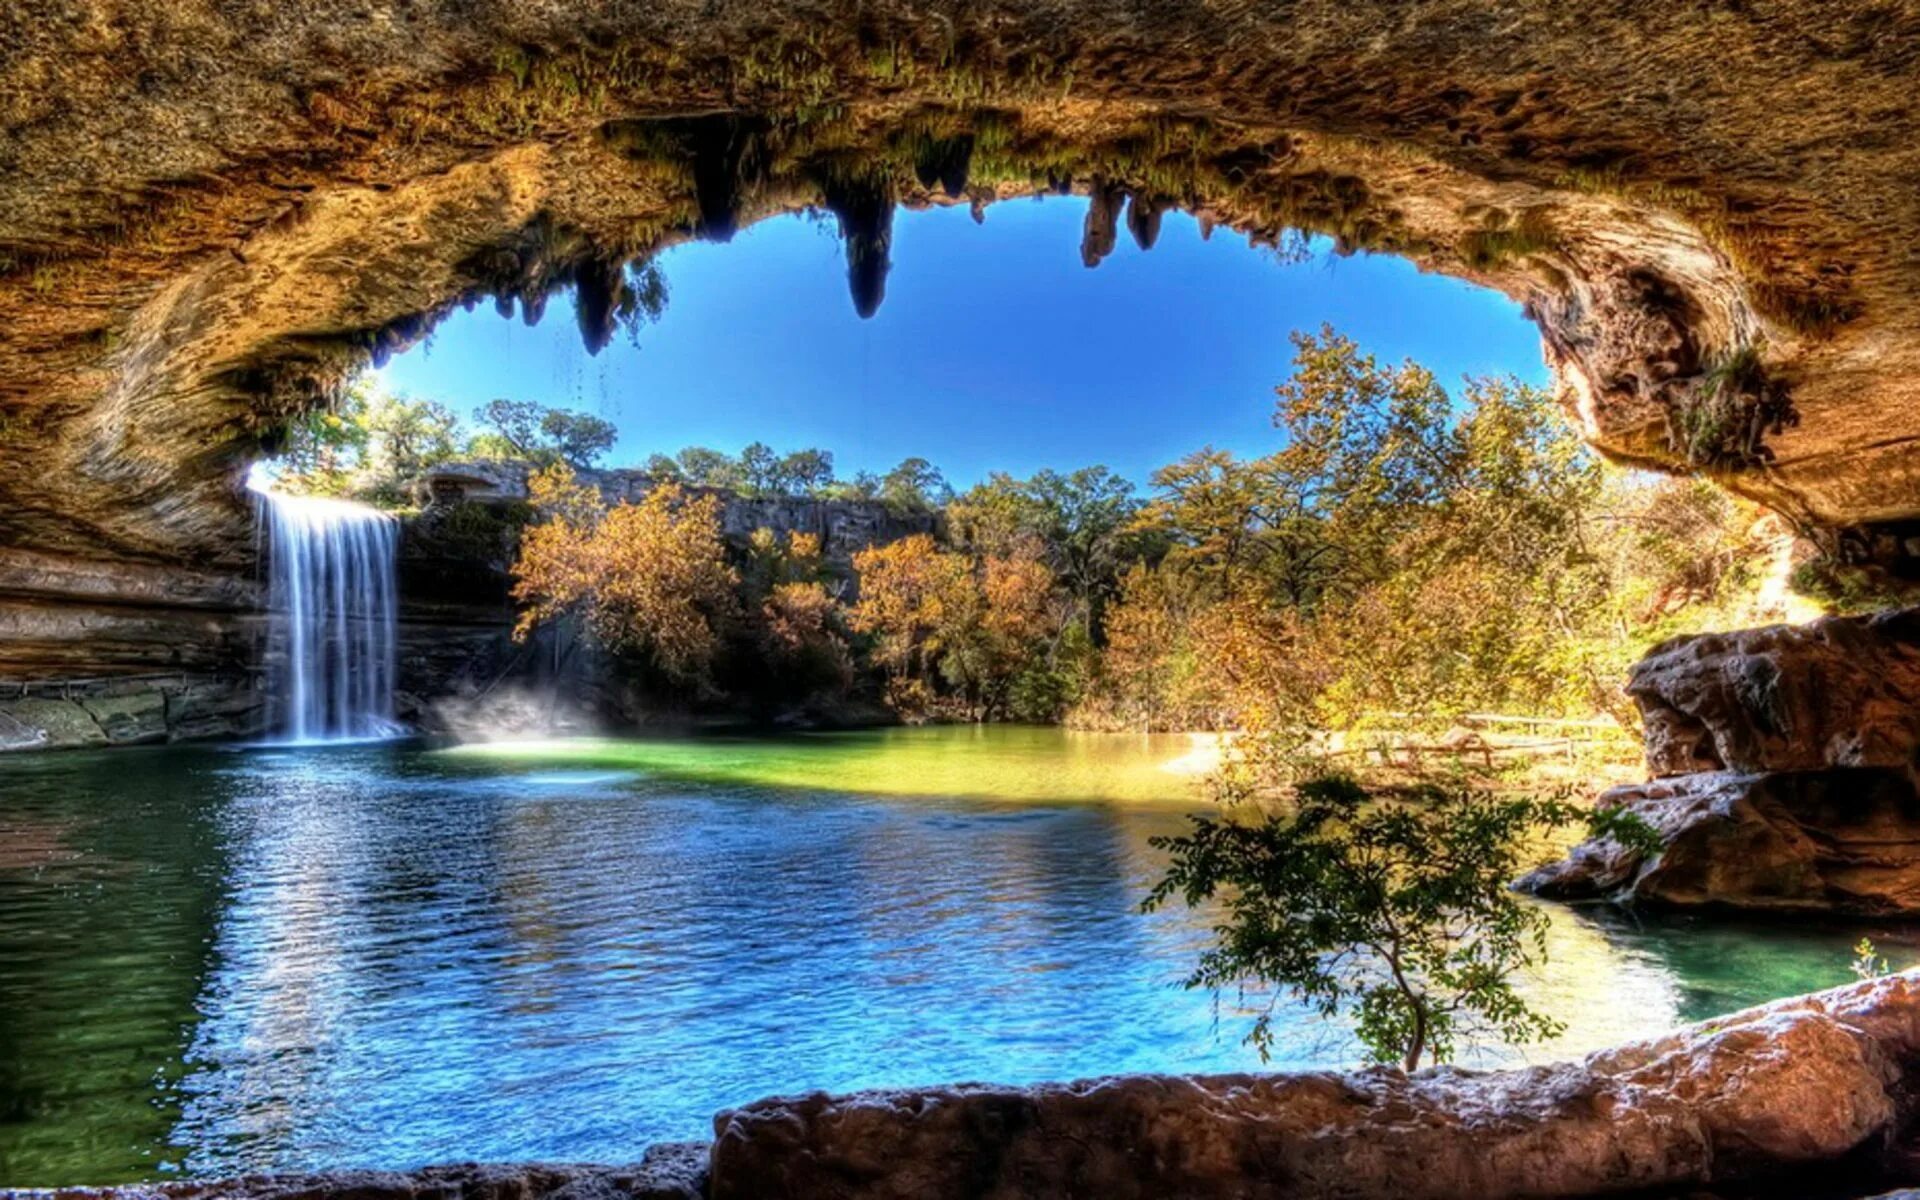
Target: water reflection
(381,956)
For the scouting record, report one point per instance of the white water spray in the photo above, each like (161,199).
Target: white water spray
(332,607)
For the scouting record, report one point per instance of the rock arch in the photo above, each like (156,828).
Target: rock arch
(210,215)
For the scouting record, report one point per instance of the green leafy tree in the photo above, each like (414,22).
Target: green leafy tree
(916,485)
(576,438)
(1393,910)
(1086,517)
(514,425)
(535,433)
(864,485)
(760,470)
(705,467)
(807,472)
(406,436)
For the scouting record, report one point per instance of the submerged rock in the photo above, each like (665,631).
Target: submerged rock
(1808,1089)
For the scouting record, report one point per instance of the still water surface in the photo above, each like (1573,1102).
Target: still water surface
(223,960)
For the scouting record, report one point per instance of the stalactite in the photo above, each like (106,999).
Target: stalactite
(719,145)
(945,161)
(864,203)
(1143,219)
(599,289)
(1102,230)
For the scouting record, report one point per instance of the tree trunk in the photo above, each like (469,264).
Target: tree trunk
(1419,1046)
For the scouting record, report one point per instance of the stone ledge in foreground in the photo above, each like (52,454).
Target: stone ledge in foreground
(1809,1096)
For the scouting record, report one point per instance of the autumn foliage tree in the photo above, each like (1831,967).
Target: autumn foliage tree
(942,619)
(795,621)
(648,580)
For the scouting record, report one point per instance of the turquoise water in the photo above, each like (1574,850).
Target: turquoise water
(221,960)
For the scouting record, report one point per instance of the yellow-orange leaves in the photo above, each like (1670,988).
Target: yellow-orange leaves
(647,578)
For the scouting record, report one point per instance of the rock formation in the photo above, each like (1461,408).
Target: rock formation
(1784,773)
(206,222)
(1811,1090)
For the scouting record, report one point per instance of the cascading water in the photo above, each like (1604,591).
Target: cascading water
(332,607)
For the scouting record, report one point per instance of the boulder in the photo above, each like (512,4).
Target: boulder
(1836,692)
(1839,840)
(1814,1088)
(1783,774)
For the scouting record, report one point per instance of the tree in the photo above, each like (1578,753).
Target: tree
(406,436)
(909,591)
(579,439)
(516,425)
(1214,510)
(1086,516)
(807,472)
(864,485)
(649,579)
(916,485)
(1394,910)
(535,433)
(704,467)
(760,470)
(795,623)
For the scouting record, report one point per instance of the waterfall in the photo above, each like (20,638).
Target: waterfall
(331,617)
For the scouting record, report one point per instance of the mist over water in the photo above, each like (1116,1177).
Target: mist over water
(386,956)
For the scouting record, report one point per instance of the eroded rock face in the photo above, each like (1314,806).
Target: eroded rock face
(1784,763)
(112,653)
(1810,1089)
(1836,692)
(1842,840)
(205,223)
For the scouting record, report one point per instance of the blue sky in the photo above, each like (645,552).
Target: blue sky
(995,350)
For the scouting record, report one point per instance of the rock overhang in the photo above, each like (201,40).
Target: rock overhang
(208,222)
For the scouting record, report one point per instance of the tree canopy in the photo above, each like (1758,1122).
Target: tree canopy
(1391,909)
